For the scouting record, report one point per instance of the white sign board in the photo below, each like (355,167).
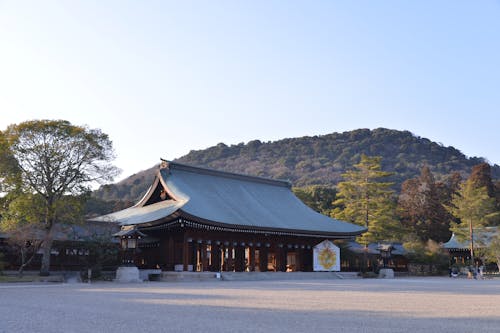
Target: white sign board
(326,257)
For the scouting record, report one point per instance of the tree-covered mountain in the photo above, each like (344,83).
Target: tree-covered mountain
(318,159)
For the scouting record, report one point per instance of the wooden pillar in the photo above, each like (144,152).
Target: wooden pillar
(204,257)
(185,253)
(285,257)
(263,253)
(222,257)
(230,261)
(289,249)
(278,249)
(251,257)
(281,258)
(196,255)
(239,260)
(215,254)
(223,260)
(170,261)
(307,259)
(299,253)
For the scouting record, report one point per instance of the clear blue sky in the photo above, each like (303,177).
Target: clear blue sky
(164,77)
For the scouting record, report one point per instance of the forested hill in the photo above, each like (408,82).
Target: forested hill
(315,159)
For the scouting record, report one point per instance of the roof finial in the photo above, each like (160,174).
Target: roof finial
(163,164)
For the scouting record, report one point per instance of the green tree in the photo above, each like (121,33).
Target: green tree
(493,252)
(429,252)
(20,216)
(475,208)
(318,197)
(497,192)
(365,199)
(53,160)
(101,252)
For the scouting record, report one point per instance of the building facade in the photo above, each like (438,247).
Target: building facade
(198,219)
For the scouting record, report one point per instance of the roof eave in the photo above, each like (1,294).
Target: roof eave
(312,233)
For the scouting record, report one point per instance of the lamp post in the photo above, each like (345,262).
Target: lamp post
(385,253)
(129,245)
(129,240)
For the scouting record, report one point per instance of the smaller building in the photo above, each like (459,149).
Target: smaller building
(459,249)
(74,247)
(355,254)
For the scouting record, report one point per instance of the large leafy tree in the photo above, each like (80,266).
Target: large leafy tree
(366,199)
(21,218)
(421,207)
(52,160)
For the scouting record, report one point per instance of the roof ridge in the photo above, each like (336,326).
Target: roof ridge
(233,175)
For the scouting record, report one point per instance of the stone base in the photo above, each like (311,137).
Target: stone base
(189,276)
(180,268)
(386,273)
(127,274)
(149,274)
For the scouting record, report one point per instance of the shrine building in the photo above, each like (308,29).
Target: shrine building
(198,219)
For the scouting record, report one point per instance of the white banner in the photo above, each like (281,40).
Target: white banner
(326,257)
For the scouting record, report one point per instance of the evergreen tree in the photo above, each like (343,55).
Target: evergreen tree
(318,197)
(493,252)
(366,200)
(497,192)
(475,209)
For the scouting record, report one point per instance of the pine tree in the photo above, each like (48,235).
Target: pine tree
(475,209)
(366,200)
(493,252)
(318,197)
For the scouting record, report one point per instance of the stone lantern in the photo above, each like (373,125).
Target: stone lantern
(385,253)
(129,240)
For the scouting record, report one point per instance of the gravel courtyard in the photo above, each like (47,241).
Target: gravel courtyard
(369,305)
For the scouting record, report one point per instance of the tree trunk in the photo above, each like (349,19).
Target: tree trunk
(23,263)
(47,242)
(471,231)
(364,269)
(46,248)
(26,261)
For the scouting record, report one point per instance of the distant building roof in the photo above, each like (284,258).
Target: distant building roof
(374,248)
(482,237)
(76,232)
(228,199)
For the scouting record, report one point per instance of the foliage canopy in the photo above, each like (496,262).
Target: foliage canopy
(51,161)
(315,160)
(421,207)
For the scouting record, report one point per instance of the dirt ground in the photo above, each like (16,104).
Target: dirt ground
(357,305)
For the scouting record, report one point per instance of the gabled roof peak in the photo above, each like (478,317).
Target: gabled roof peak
(169,165)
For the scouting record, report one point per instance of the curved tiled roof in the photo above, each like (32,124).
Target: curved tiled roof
(142,214)
(228,199)
(482,237)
